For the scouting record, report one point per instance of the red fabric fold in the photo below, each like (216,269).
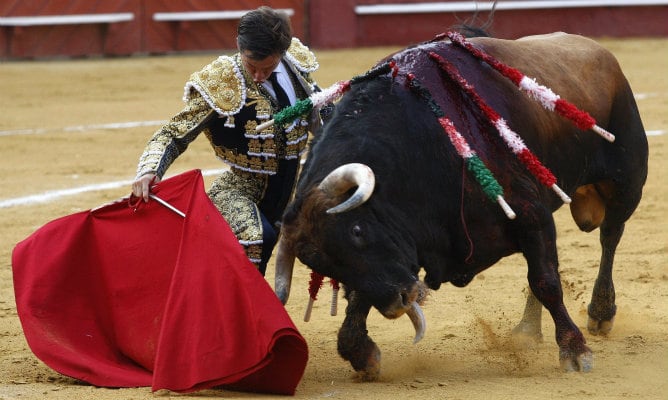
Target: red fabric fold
(136,295)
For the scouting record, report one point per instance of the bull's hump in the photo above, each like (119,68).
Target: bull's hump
(411,59)
(416,60)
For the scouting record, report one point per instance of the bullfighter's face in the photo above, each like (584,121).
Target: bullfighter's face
(259,69)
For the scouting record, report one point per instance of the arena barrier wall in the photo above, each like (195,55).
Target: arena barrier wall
(81,28)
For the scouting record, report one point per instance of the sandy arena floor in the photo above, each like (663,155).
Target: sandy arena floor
(59,130)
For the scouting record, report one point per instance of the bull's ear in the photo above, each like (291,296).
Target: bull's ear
(288,216)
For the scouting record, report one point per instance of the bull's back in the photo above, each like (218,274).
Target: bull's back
(586,74)
(576,68)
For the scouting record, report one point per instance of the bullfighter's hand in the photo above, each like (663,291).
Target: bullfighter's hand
(142,186)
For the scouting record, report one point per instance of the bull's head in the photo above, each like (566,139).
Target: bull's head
(330,232)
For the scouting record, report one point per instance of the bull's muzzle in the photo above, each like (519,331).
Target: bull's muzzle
(408,302)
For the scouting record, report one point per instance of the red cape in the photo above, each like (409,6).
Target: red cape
(126,296)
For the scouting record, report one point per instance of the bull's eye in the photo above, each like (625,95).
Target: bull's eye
(357,234)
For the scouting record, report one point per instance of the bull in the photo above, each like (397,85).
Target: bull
(384,193)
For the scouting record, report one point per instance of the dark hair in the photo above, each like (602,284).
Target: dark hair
(264,32)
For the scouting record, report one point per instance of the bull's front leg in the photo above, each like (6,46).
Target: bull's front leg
(354,343)
(540,250)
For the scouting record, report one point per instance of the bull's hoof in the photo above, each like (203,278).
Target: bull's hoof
(371,370)
(598,327)
(367,375)
(572,362)
(601,313)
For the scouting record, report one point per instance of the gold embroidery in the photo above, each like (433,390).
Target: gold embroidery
(250,127)
(269,146)
(301,56)
(221,84)
(263,108)
(225,87)
(255,163)
(168,142)
(229,123)
(254,253)
(235,194)
(254,146)
(263,147)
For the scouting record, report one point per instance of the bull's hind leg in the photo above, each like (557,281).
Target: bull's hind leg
(620,202)
(354,343)
(588,209)
(603,205)
(602,308)
(540,250)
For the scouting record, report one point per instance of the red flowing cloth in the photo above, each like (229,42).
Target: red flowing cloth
(136,295)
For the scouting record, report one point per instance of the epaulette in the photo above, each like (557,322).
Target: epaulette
(301,57)
(221,84)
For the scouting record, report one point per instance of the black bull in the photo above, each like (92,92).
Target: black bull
(426,211)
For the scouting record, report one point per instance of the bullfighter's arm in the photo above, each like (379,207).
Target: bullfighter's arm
(172,139)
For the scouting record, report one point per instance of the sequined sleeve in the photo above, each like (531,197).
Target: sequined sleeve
(172,139)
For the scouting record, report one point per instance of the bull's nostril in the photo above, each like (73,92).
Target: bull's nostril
(404,298)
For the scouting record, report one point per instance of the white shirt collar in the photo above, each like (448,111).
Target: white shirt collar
(284,80)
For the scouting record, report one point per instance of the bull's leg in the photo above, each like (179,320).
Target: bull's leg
(529,329)
(540,251)
(602,308)
(354,344)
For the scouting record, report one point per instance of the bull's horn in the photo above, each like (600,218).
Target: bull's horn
(346,177)
(417,318)
(285,262)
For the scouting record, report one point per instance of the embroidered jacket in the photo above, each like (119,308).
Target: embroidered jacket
(224,103)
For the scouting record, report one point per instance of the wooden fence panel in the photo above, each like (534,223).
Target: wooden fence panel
(204,25)
(78,28)
(68,28)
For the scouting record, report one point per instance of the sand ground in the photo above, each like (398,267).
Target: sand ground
(58,131)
